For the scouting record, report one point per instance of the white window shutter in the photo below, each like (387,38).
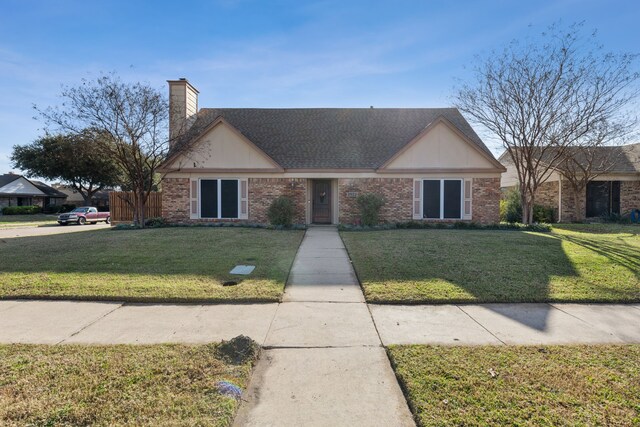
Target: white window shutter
(467,208)
(417,199)
(243,212)
(193,199)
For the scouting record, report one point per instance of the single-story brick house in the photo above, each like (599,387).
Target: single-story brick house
(614,190)
(16,190)
(229,164)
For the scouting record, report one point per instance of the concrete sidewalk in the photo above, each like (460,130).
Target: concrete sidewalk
(324,364)
(317,324)
(508,324)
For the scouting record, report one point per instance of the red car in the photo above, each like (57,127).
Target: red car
(83,215)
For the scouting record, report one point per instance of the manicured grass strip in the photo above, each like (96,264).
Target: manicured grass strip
(167,264)
(478,386)
(115,385)
(575,263)
(13,221)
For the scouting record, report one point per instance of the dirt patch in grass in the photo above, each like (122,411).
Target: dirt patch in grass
(166,264)
(116,385)
(575,263)
(555,385)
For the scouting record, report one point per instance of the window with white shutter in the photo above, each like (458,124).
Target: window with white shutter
(417,199)
(193,199)
(467,199)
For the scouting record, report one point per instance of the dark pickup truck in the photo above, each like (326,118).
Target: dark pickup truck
(83,215)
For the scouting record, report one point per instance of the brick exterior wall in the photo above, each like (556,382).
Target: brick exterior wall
(397,192)
(571,212)
(629,196)
(486,200)
(547,195)
(262,191)
(175,200)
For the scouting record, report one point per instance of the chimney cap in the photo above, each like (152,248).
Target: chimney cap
(182,81)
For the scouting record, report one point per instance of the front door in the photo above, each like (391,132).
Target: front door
(321,205)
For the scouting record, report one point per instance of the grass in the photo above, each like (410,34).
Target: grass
(115,385)
(166,264)
(36,220)
(521,386)
(573,263)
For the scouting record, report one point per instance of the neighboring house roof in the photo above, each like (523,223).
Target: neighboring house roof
(7,178)
(49,191)
(331,138)
(620,159)
(17,185)
(73,195)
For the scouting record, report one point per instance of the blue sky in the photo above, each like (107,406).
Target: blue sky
(244,53)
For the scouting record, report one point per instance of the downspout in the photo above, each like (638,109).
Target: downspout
(559,197)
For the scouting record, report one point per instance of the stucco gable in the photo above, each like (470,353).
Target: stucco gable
(441,146)
(222,147)
(21,186)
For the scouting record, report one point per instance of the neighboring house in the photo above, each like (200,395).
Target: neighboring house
(614,190)
(100,198)
(16,190)
(231,163)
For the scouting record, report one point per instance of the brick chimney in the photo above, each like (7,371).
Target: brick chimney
(183,106)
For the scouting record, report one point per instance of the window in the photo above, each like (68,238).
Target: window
(603,198)
(442,198)
(219,198)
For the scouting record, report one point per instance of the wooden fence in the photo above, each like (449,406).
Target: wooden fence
(121,210)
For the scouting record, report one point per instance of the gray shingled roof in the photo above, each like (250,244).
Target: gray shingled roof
(49,191)
(310,138)
(7,178)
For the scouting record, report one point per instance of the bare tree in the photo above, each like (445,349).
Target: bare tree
(546,95)
(133,115)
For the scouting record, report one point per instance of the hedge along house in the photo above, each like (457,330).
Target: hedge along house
(614,189)
(229,164)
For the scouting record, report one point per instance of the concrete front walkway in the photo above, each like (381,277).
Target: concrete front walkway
(324,364)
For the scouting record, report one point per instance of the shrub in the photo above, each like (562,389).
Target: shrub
(52,209)
(21,210)
(370,205)
(543,214)
(281,212)
(510,206)
(511,209)
(155,222)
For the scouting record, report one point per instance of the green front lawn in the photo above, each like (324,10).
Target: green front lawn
(479,386)
(36,220)
(165,264)
(116,385)
(579,263)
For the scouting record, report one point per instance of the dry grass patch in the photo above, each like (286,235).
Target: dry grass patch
(36,220)
(115,385)
(555,385)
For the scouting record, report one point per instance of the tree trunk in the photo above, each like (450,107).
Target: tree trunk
(140,204)
(580,213)
(527,208)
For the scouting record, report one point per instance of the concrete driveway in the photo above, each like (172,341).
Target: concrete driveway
(46,230)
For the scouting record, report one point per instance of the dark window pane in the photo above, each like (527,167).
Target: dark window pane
(452,198)
(209,198)
(229,192)
(431,198)
(598,198)
(615,197)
